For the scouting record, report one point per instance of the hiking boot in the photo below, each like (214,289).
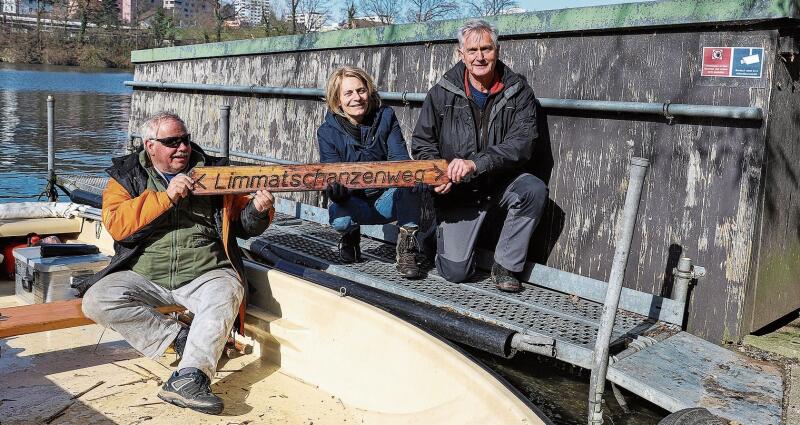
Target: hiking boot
(505,280)
(179,344)
(192,390)
(407,253)
(350,246)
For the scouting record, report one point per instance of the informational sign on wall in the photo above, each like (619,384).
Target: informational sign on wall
(741,62)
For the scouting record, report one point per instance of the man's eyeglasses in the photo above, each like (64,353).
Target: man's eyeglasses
(175,141)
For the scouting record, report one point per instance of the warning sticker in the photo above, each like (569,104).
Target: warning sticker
(716,62)
(742,62)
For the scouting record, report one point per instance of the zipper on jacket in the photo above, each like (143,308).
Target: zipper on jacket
(173,262)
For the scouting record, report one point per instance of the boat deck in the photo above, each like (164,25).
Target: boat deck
(668,367)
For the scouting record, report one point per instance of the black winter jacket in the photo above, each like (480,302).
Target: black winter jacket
(447,129)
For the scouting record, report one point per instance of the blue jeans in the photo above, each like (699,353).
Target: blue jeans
(399,204)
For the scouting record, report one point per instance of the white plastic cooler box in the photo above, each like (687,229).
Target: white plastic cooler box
(42,280)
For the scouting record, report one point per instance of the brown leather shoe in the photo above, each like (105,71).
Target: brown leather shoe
(407,253)
(505,280)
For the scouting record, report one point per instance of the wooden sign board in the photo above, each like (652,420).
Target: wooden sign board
(308,177)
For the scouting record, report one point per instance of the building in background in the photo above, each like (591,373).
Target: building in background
(512,10)
(186,12)
(312,22)
(251,11)
(24,7)
(8,6)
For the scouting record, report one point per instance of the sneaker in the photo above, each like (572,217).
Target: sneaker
(179,344)
(504,279)
(192,390)
(350,246)
(407,253)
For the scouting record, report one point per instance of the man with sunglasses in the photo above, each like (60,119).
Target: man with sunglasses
(172,247)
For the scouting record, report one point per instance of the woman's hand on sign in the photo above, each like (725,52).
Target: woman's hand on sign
(263,200)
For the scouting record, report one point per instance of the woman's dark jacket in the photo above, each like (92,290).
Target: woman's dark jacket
(382,140)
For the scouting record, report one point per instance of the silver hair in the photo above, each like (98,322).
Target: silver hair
(150,127)
(476,25)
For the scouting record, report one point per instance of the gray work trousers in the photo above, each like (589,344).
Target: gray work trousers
(125,302)
(458,227)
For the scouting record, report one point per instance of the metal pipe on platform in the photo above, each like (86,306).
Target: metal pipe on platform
(51,150)
(133,136)
(684,273)
(666,109)
(50,189)
(683,276)
(253,156)
(224,130)
(275,91)
(597,382)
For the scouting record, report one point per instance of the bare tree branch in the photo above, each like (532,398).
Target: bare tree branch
(350,12)
(431,10)
(307,15)
(387,11)
(489,7)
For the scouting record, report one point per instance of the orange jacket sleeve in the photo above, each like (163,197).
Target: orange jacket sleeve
(124,215)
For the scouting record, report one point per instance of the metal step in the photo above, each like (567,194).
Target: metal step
(571,321)
(673,369)
(685,371)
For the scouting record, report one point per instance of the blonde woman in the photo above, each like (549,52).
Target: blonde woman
(358,128)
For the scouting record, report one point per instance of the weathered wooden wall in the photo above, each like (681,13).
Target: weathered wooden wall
(702,195)
(776,280)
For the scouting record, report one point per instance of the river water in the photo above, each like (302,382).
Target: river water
(91,125)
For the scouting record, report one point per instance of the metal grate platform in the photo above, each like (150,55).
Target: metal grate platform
(573,322)
(91,184)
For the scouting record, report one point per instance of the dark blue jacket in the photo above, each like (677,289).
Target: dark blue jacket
(383,141)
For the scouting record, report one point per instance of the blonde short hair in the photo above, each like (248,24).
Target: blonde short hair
(335,86)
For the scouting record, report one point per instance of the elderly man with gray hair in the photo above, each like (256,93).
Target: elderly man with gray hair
(171,247)
(481,117)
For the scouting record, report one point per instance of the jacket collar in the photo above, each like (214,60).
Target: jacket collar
(330,119)
(453,80)
(496,87)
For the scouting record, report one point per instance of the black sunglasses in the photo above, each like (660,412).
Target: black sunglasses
(175,141)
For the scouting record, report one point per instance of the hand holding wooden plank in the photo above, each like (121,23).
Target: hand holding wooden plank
(308,177)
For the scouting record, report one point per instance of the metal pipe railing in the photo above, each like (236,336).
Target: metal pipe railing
(252,156)
(597,381)
(684,274)
(224,130)
(50,190)
(240,154)
(666,109)
(51,150)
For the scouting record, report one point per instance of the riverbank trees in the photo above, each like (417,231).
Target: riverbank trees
(90,33)
(88,47)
